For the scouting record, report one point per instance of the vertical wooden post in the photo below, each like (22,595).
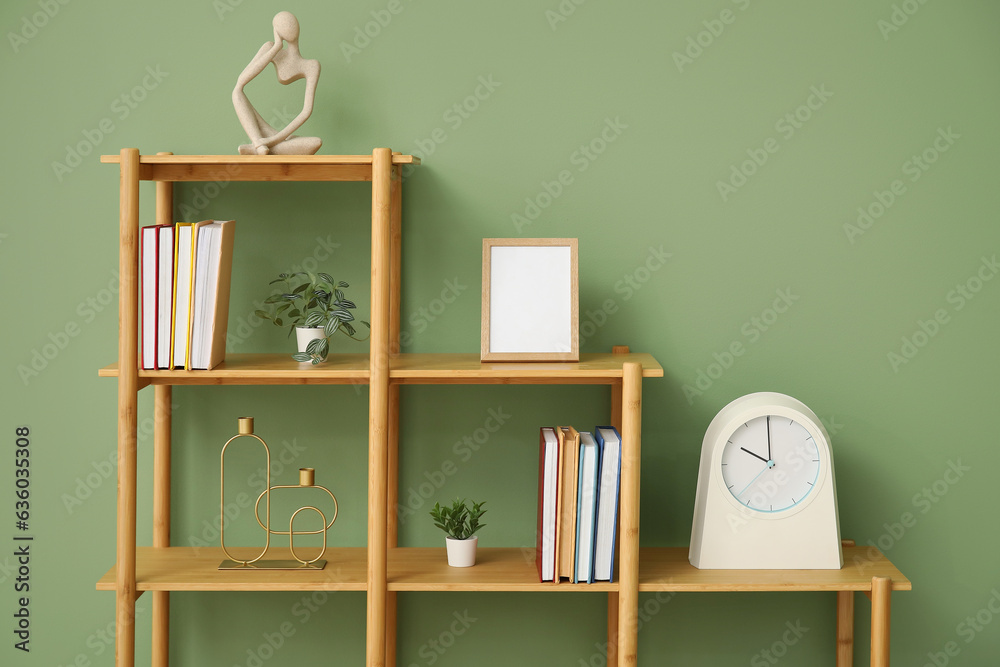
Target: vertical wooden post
(881,606)
(162,400)
(628,585)
(616,421)
(392,482)
(128,386)
(845,628)
(378,405)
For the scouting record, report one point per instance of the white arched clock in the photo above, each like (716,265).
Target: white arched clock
(767,496)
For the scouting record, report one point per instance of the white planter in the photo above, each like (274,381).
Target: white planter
(462,553)
(305,334)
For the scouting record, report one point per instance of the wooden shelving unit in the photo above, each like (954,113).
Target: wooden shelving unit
(382,569)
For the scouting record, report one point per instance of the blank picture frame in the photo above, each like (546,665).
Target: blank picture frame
(530,300)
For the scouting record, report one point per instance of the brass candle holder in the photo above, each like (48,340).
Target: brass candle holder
(307,479)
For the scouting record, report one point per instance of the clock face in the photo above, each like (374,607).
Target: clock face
(770,464)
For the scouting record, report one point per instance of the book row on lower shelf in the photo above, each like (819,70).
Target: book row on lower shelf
(186,269)
(579,474)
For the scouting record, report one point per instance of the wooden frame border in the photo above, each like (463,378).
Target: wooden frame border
(574,354)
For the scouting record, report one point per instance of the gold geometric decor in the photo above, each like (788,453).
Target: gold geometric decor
(307,480)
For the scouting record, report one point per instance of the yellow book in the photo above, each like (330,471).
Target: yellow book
(179,323)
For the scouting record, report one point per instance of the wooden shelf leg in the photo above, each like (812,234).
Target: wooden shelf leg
(128,386)
(378,407)
(845,628)
(616,421)
(881,608)
(392,483)
(628,587)
(162,400)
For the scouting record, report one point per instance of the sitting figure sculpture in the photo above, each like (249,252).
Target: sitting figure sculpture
(290,66)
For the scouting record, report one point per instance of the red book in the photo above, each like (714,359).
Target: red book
(149,261)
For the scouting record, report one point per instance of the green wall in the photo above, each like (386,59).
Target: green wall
(887,107)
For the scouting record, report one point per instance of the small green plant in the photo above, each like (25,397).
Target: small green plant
(458,521)
(312,300)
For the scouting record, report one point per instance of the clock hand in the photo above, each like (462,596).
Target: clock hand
(753,480)
(757,455)
(769,436)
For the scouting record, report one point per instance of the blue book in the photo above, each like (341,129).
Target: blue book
(610,443)
(586,505)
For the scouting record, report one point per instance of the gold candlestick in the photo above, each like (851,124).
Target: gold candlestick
(307,479)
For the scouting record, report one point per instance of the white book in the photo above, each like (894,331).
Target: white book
(213,265)
(165,295)
(148,245)
(551,472)
(607,503)
(586,507)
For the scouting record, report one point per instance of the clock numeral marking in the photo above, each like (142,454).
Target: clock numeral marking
(731,486)
(772,507)
(809,438)
(809,483)
(747,424)
(794,501)
(815,460)
(790,422)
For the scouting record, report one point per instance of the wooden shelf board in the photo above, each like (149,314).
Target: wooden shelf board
(496,569)
(244,369)
(196,569)
(604,368)
(260,159)
(226,168)
(667,569)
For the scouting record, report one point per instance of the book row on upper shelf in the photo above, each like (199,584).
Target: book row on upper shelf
(186,269)
(579,474)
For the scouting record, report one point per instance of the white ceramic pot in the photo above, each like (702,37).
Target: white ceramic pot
(305,334)
(462,553)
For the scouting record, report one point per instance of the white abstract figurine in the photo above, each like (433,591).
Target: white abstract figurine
(290,66)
